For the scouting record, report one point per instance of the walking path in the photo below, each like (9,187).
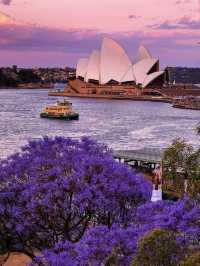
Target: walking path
(145,158)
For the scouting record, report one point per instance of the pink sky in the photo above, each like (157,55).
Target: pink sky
(57,32)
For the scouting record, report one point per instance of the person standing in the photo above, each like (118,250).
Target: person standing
(157,184)
(158,177)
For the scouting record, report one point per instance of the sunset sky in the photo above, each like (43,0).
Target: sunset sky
(58,32)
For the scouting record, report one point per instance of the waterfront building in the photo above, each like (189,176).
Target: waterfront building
(110,73)
(112,65)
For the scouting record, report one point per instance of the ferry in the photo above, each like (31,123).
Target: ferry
(62,110)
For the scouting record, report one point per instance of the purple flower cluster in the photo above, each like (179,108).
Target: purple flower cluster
(57,188)
(100,243)
(70,201)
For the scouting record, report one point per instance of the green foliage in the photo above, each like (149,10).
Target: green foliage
(181,162)
(27,75)
(193,174)
(8,78)
(159,248)
(112,259)
(193,165)
(194,189)
(192,260)
(170,195)
(175,164)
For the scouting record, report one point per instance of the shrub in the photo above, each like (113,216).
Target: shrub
(159,248)
(192,260)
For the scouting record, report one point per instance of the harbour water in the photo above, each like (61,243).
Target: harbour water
(120,124)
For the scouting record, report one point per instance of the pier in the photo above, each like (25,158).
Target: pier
(148,159)
(143,158)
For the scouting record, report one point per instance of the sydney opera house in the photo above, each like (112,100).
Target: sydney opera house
(110,71)
(111,65)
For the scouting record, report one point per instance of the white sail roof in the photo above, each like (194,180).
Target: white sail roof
(151,77)
(129,75)
(93,68)
(81,68)
(141,69)
(114,62)
(143,53)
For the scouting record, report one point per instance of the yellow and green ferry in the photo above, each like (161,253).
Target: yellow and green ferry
(62,110)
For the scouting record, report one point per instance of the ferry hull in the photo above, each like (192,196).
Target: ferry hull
(74,116)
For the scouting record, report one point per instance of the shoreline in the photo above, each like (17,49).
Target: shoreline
(28,86)
(111,97)
(37,85)
(186,107)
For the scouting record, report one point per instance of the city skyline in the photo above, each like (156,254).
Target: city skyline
(57,33)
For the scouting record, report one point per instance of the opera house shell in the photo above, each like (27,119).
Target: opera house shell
(112,65)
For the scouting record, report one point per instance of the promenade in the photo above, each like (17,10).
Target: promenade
(149,159)
(111,97)
(144,158)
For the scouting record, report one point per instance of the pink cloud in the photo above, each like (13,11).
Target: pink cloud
(29,40)
(182,23)
(89,14)
(6,2)
(72,31)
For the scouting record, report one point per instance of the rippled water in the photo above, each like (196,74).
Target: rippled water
(120,124)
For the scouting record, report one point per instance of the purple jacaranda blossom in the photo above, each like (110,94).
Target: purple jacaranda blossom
(55,188)
(70,201)
(120,242)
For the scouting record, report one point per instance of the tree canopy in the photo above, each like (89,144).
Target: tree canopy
(181,164)
(192,260)
(119,245)
(71,202)
(159,247)
(56,188)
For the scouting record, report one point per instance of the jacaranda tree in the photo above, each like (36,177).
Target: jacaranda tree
(121,245)
(55,189)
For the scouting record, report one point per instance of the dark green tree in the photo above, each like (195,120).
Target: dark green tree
(158,248)
(177,165)
(181,165)
(193,164)
(28,75)
(192,260)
